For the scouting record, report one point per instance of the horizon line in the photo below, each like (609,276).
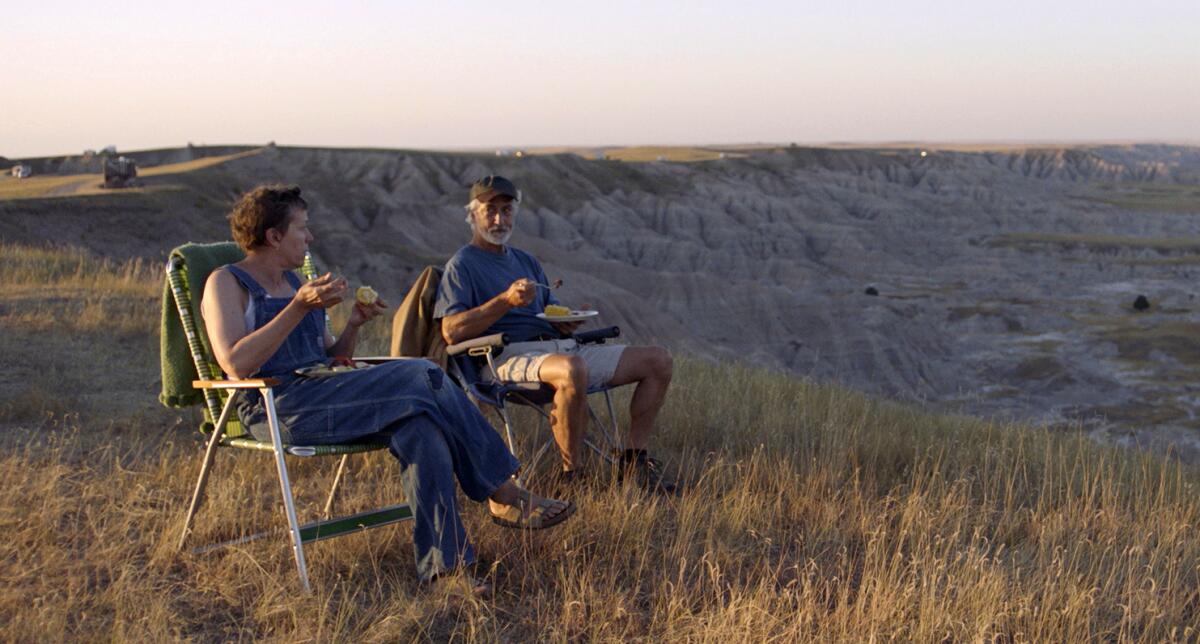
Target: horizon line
(567,147)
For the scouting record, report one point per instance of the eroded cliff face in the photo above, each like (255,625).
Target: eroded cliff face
(1004,279)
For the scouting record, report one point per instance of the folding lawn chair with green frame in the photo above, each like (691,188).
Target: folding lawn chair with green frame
(192,361)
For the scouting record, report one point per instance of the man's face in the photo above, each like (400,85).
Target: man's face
(493,220)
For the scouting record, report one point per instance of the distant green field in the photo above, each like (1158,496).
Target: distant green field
(1170,198)
(1179,260)
(1097,242)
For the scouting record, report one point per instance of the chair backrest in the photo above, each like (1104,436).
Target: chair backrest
(186,284)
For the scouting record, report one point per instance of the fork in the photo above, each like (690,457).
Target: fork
(557,283)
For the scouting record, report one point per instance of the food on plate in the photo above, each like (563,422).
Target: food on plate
(555,310)
(366,295)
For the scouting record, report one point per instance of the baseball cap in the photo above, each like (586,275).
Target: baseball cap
(490,186)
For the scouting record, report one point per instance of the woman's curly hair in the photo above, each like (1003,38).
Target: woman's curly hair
(262,209)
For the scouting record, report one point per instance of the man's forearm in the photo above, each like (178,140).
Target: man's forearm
(473,322)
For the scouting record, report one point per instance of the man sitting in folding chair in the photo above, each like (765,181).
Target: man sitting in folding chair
(263,322)
(489,287)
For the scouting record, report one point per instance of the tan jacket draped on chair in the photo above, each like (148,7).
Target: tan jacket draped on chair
(415,334)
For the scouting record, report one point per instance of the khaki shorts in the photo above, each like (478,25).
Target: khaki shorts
(521,361)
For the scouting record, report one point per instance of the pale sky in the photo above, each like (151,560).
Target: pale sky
(78,75)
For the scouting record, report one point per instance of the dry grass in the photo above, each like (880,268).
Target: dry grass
(644,153)
(813,513)
(45,186)
(675,154)
(49,186)
(195,164)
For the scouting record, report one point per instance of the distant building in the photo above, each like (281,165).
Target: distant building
(21,171)
(501,152)
(660,158)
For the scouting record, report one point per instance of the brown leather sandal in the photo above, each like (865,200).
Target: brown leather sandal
(525,516)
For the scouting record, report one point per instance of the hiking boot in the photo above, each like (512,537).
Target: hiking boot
(648,472)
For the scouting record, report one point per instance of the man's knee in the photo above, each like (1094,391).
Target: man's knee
(661,364)
(577,370)
(569,372)
(654,363)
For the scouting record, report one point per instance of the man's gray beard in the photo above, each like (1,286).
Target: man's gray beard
(493,238)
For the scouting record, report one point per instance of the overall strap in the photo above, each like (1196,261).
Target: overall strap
(247,282)
(293,279)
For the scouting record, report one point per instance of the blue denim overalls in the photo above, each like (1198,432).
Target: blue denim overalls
(430,425)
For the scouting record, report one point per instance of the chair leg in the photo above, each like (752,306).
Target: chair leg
(537,457)
(285,486)
(337,478)
(512,445)
(604,454)
(605,435)
(612,417)
(210,454)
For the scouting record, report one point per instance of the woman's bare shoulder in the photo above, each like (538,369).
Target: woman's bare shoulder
(220,279)
(223,287)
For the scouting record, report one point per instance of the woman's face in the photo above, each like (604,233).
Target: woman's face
(293,244)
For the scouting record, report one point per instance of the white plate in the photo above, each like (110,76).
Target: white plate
(573,316)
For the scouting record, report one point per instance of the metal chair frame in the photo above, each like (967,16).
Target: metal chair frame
(463,357)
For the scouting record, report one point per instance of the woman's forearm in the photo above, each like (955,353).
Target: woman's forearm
(344,346)
(251,352)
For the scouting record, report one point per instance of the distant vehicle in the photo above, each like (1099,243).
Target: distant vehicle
(120,173)
(22,171)
(109,149)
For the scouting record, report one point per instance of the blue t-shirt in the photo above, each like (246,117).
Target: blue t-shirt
(474,276)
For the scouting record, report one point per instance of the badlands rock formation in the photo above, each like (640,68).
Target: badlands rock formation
(1005,279)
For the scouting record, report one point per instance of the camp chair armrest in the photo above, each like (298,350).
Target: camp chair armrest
(597,336)
(494,340)
(249,383)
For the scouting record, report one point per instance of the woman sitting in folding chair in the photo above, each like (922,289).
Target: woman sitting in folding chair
(263,322)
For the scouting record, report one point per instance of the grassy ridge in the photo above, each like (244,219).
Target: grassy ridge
(1149,197)
(814,512)
(1097,242)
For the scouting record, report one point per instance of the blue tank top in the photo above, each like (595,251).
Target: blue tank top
(304,346)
